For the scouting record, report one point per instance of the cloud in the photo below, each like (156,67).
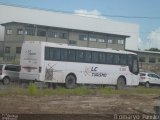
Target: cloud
(142,45)
(154,39)
(93,13)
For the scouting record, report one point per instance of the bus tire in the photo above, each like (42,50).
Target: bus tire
(121,83)
(6,80)
(70,82)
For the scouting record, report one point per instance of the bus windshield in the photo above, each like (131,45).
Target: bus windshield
(133,64)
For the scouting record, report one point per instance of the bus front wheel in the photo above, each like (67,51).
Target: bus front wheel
(70,81)
(121,83)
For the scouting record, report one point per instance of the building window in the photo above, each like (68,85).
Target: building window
(121,42)
(152,60)
(30,31)
(51,34)
(8,31)
(83,37)
(72,42)
(63,35)
(92,38)
(19,31)
(7,49)
(142,59)
(18,50)
(101,39)
(41,33)
(56,35)
(110,41)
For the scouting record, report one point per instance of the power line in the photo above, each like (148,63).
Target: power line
(137,17)
(71,12)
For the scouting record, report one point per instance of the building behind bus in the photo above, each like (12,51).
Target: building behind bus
(70,29)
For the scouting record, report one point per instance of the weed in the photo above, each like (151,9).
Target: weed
(32,89)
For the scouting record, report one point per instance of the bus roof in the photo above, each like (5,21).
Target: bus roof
(62,45)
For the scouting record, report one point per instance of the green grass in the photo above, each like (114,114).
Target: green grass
(64,91)
(138,90)
(32,90)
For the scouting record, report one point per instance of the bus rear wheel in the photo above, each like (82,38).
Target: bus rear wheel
(121,83)
(70,82)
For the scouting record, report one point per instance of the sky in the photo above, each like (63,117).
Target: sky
(145,13)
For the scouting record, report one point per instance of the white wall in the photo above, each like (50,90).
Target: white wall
(1,33)
(57,19)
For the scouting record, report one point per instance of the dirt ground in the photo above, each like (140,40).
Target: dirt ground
(93,105)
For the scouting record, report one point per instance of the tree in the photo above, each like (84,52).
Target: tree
(153,49)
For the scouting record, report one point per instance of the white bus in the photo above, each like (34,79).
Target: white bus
(72,65)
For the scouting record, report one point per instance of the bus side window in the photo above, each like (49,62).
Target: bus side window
(88,56)
(123,59)
(109,58)
(80,56)
(94,57)
(46,53)
(116,59)
(64,54)
(101,57)
(52,53)
(56,53)
(71,55)
(51,56)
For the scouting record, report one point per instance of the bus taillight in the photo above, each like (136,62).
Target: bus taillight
(40,69)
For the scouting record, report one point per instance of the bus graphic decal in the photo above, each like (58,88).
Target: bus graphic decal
(93,71)
(50,70)
(86,72)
